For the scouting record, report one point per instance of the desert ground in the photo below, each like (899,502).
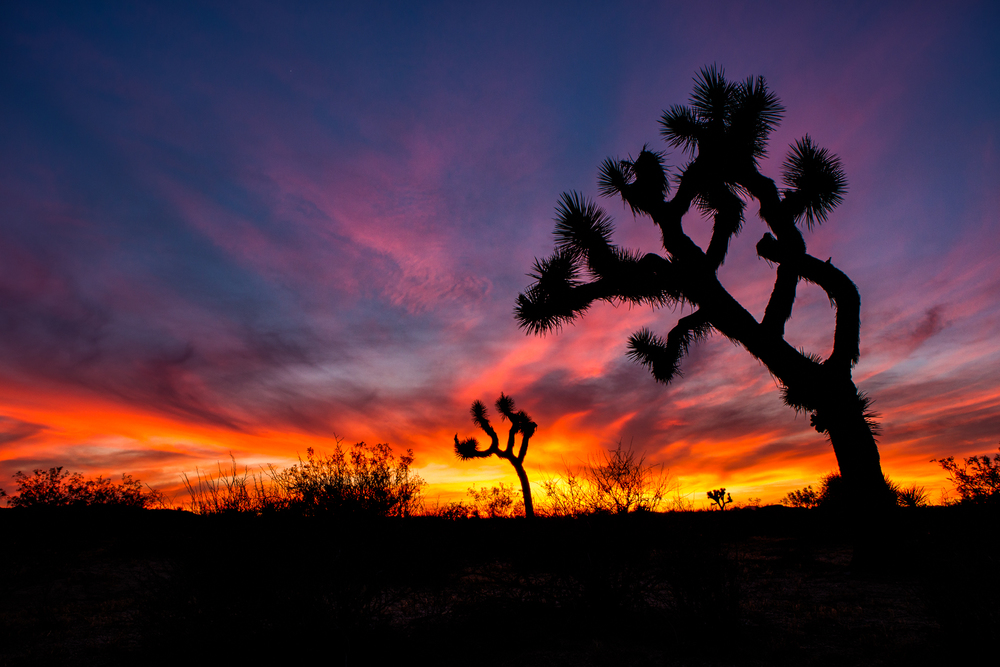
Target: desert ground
(762,586)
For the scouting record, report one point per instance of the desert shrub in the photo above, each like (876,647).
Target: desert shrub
(238,492)
(677,502)
(365,481)
(454,510)
(567,496)
(58,488)
(977,482)
(495,502)
(911,496)
(832,494)
(807,497)
(617,482)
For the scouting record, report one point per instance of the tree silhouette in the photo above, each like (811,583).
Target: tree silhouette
(521,423)
(720,497)
(724,130)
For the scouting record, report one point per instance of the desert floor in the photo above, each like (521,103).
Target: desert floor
(767,586)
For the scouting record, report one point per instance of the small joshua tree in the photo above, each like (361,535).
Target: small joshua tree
(724,131)
(720,498)
(521,423)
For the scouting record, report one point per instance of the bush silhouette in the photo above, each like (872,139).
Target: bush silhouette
(832,494)
(911,496)
(364,481)
(237,492)
(58,488)
(495,502)
(806,497)
(977,482)
(521,423)
(724,130)
(617,482)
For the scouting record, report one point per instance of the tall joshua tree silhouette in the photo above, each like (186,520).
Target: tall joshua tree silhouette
(521,423)
(724,131)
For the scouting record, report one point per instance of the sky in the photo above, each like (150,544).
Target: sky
(233,231)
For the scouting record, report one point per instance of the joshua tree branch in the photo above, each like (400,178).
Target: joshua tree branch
(509,450)
(779,306)
(521,453)
(841,290)
(728,220)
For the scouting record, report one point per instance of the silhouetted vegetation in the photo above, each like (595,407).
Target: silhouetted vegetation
(773,586)
(977,482)
(495,502)
(55,487)
(617,482)
(832,494)
(806,497)
(828,495)
(521,423)
(609,584)
(720,498)
(237,492)
(725,131)
(911,496)
(366,480)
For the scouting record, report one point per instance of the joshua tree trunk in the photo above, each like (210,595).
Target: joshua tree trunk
(529,508)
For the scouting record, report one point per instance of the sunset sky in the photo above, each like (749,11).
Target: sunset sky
(250,228)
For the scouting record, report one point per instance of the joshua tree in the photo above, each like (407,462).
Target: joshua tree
(720,497)
(521,423)
(724,131)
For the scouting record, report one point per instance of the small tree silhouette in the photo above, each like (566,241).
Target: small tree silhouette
(521,423)
(720,497)
(725,132)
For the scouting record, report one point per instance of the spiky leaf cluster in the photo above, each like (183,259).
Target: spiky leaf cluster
(583,243)
(583,230)
(641,182)
(550,301)
(479,414)
(519,419)
(468,449)
(727,117)
(815,179)
(663,357)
